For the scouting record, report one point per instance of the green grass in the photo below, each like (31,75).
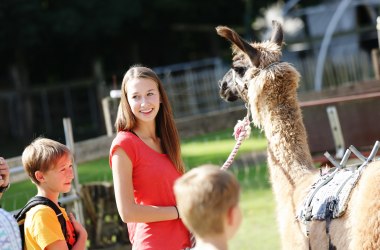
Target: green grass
(258,229)
(216,147)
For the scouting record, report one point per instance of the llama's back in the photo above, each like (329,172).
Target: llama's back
(365,210)
(359,226)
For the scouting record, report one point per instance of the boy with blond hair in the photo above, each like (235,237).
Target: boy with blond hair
(49,165)
(208,203)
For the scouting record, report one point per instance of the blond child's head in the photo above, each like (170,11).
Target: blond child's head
(42,154)
(206,196)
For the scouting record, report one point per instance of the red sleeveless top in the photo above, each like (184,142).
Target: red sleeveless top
(153,177)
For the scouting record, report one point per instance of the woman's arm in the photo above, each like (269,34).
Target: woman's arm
(128,210)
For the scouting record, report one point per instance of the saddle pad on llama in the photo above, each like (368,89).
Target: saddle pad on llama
(329,195)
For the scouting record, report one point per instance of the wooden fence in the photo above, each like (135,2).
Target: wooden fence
(356,112)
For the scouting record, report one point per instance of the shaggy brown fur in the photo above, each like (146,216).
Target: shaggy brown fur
(270,87)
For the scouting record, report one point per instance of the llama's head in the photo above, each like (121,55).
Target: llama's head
(247,62)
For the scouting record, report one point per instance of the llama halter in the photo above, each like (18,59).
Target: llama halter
(242,131)
(238,84)
(242,128)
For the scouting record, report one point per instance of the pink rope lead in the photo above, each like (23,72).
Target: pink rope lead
(241,132)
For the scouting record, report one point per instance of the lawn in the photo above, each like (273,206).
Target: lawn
(258,229)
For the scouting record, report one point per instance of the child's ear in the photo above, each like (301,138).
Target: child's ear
(39,176)
(233,221)
(233,215)
(230,215)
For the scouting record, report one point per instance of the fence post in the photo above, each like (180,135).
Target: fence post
(336,131)
(107,115)
(378,29)
(191,92)
(375,54)
(76,190)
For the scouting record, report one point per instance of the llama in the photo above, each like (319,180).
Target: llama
(269,86)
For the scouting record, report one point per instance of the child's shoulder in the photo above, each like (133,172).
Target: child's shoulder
(9,231)
(6,219)
(40,215)
(40,210)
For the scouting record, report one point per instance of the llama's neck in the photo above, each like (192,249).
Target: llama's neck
(289,156)
(289,161)
(275,108)
(273,100)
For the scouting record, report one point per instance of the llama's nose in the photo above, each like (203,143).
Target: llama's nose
(223,85)
(232,98)
(223,89)
(226,94)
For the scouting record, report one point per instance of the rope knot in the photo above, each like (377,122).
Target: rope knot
(242,128)
(242,131)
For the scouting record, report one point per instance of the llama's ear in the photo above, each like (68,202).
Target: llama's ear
(277,33)
(234,38)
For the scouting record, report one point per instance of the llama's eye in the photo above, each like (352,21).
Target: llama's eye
(240,70)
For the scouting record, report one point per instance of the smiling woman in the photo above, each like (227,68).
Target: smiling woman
(144,99)
(145,160)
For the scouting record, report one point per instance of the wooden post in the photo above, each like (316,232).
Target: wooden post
(336,130)
(378,29)
(76,190)
(375,61)
(192,95)
(107,115)
(375,52)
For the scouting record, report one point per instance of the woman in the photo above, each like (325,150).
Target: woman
(145,159)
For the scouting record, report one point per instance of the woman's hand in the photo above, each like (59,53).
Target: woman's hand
(4,173)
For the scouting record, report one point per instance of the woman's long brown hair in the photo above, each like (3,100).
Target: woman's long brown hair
(166,129)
